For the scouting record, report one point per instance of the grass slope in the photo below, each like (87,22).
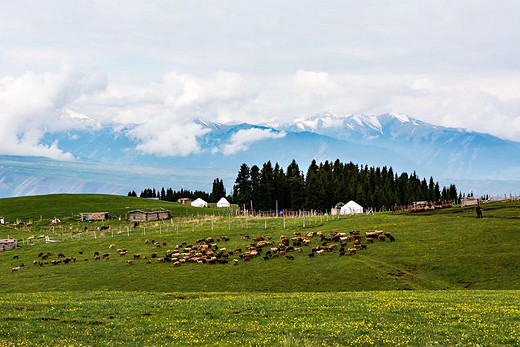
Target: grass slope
(67,207)
(325,300)
(441,250)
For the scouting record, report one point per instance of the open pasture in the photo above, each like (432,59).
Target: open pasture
(378,318)
(424,288)
(446,249)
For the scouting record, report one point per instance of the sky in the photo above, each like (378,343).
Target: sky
(162,64)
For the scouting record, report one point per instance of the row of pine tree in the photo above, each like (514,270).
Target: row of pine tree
(321,188)
(324,185)
(169,194)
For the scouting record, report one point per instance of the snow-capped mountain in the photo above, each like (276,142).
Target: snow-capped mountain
(107,159)
(445,152)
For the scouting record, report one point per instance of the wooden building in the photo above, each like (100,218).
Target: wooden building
(185,201)
(148,216)
(8,244)
(94,216)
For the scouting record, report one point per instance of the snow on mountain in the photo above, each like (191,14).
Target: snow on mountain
(391,139)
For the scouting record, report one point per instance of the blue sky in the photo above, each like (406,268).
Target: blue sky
(451,63)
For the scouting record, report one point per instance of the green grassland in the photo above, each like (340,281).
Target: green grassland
(378,318)
(467,266)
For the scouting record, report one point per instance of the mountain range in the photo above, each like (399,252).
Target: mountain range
(107,159)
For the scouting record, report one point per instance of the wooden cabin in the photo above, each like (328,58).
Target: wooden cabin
(94,216)
(148,216)
(8,244)
(185,201)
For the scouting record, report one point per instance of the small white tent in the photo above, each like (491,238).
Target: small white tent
(199,203)
(351,207)
(223,203)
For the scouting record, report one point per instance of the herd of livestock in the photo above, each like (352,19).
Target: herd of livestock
(208,250)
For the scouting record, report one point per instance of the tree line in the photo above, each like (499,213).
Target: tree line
(320,188)
(326,184)
(169,194)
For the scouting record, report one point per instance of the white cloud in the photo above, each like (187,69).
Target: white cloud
(33,104)
(159,136)
(242,139)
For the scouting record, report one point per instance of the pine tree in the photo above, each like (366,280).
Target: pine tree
(242,188)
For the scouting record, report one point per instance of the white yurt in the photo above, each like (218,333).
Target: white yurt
(199,203)
(351,207)
(223,203)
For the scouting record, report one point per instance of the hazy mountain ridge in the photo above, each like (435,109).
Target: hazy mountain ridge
(104,152)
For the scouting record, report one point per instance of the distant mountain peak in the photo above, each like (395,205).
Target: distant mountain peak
(82,118)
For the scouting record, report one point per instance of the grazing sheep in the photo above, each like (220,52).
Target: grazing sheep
(154,254)
(122,253)
(289,256)
(176,264)
(15,269)
(129,261)
(235,261)
(351,251)
(382,237)
(111,246)
(392,239)
(137,256)
(97,257)
(106,255)
(15,256)
(311,255)
(146,241)
(369,239)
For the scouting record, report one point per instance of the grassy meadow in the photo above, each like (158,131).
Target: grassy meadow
(449,278)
